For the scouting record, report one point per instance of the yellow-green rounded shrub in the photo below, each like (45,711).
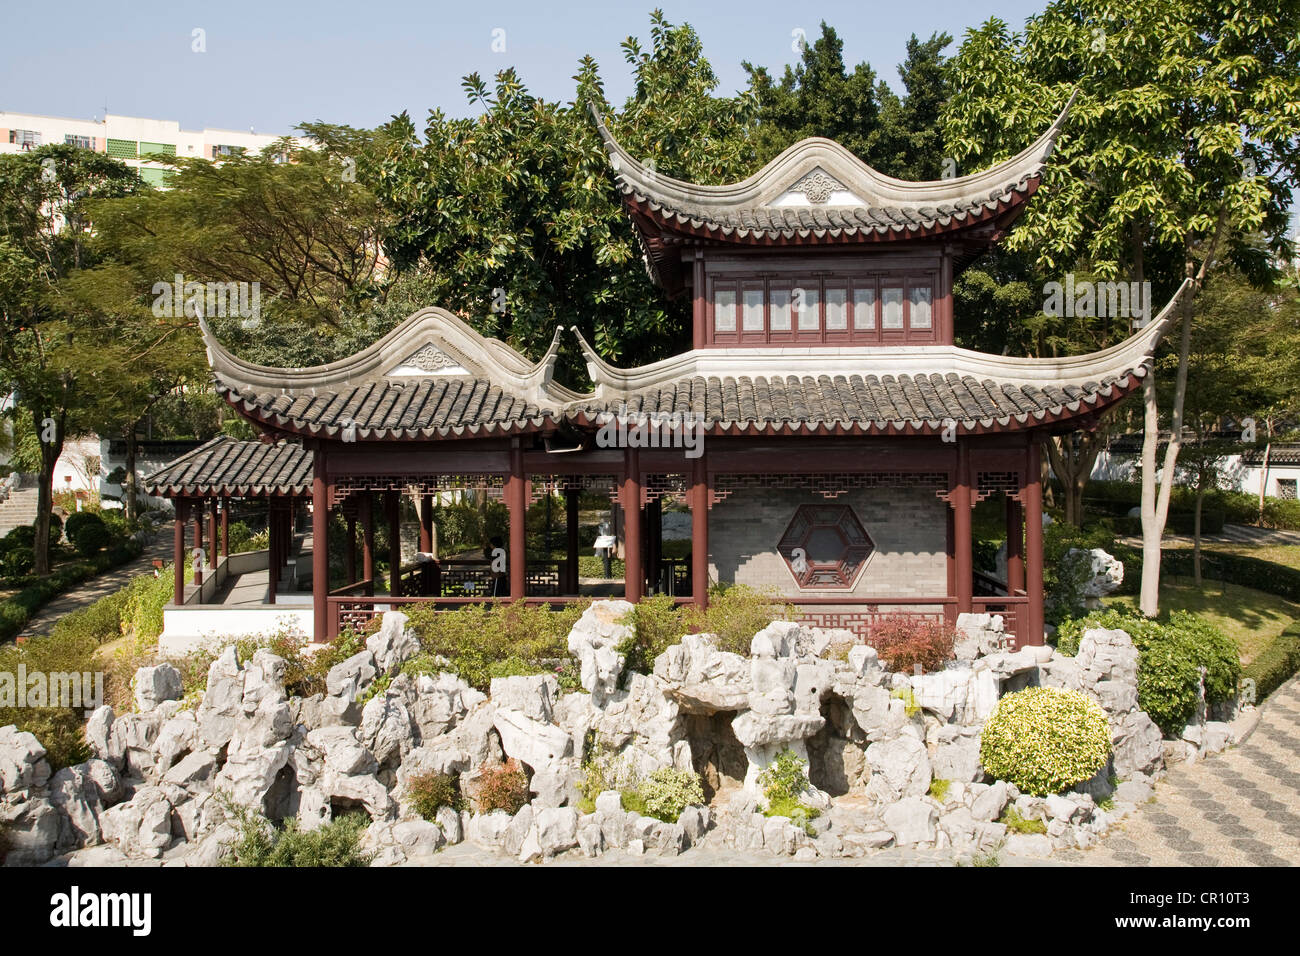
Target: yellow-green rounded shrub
(1045,740)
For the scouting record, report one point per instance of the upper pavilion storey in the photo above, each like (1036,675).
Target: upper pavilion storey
(819,248)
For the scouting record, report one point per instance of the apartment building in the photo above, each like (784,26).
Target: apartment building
(144,144)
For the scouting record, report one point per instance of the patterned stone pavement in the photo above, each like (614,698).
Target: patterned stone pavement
(1240,808)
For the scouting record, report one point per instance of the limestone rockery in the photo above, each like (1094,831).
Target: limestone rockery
(165,780)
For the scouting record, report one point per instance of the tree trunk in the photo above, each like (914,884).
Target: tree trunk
(1073,468)
(1152,530)
(50,452)
(1196,530)
(130,493)
(1263,483)
(1155,508)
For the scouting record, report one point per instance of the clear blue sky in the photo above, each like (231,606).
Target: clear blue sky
(271,65)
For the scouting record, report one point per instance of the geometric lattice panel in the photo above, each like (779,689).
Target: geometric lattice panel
(825,546)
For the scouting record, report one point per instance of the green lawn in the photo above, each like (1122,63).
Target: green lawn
(1287,555)
(1253,619)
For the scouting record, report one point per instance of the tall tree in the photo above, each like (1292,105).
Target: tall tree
(47,359)
(818,96)
(512,217)
(1182,143)
(133,356)
(291,219)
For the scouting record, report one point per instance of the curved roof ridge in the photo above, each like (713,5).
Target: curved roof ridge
(802,157)
(494,359)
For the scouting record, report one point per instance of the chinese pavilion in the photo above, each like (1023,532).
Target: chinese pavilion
(843,438)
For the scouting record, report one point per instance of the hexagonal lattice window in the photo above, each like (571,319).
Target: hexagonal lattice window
(825,546)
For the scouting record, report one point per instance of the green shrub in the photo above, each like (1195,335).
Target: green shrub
(633,802)
(24,536)
(1045,740)
(1171,656)
(146,597)
(667,792)
(784,781)
(1275,664)
(504,787)
(91,538)
(939,788)
(603,769)
(17,561)
(735,614)
(336,843)
(80,519)
(1238,569)
(1065,575)
(1015,823)
(908,696)
(244,539)
(430,792)
(657,624)
(378,688)
(482,641)
(61,730)
(101,621)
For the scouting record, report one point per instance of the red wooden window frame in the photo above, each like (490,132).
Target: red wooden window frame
(853,287)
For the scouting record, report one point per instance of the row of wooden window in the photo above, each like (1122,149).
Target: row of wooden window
(810,306)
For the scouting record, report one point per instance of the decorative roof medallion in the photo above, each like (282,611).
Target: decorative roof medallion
(429,360)
(817,186)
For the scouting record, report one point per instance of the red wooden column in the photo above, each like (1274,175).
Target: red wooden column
(225,527)
(517,504)
(350,552)
(653,542)
(424,505)
(320,552)
(700,532)
(571,500)
(1015,546)
(426,523)
(1032,493)
(393,507)
(630,498)
(178,552)
(273,535)
(214,539)
(368,540)
(962,501)
(196,510)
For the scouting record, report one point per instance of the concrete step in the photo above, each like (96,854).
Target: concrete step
(18,509)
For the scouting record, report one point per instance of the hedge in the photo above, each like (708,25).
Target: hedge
(1172,654)
(19,609)
(1248,572)
(1238,507)
(1275,664)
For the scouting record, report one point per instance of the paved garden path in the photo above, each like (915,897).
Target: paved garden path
(92,589)
(1240,808)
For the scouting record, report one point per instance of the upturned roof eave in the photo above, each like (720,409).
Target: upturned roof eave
(874,187)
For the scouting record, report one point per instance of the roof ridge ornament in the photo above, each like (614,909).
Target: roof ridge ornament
(429,358)
(818,186)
